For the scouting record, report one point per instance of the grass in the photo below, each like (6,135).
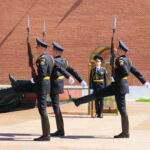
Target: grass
(2,88)
(143,100)
(109,98)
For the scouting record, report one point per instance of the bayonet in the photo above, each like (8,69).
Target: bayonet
(29,50)
(28,30)
(70,97)
(44,32)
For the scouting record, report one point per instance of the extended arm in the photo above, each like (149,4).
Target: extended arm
(136,73)
(74,73)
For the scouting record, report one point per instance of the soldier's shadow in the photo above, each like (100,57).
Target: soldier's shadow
(29,137)
(16,137)
(85,137)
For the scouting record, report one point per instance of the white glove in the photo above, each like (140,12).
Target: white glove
(112,79)
(83,83)
(91,91)
(71,80)
(32,80)
(147,85)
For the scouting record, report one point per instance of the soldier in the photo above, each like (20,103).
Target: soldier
(42,82)
(119,87)
(98,80)
(57,86)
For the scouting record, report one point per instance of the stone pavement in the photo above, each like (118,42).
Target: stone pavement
(18,128)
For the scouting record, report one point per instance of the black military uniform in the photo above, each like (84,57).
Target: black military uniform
(98,80)
(42,82)
(119,88)
(57,87)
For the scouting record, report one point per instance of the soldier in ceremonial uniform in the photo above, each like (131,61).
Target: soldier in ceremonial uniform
(119,87)
(98,80)
(57,86)
(42,82)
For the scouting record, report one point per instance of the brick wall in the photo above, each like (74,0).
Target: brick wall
(79,26)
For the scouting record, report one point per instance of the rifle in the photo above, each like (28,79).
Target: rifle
(30,56)
(112,54)
(44,32)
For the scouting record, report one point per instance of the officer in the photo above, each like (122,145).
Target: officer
(57,86)
(119,87)
(42,81)
(98,80)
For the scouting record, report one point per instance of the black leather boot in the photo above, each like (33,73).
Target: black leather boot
(101,110)
(12,79)
(58,133)
(97,108)
(125,128)
(101,115)
(60,126)
(45,129)
(82,100)
(21,86)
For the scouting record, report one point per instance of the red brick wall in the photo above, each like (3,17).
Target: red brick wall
(88,24)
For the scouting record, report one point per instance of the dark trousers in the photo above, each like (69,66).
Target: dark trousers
(108,91)
(42,89)
(57,111)
(120,100)
(121,104)
(99,102)
(42,104)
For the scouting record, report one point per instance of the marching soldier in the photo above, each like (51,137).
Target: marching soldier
(119,87)
(98,80)
(57,86)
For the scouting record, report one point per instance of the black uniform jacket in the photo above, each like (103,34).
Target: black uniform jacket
(44,69)
(57,79)
(98,79)
(123,67)
(44,66)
